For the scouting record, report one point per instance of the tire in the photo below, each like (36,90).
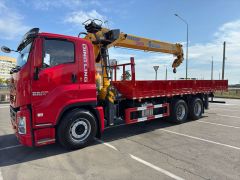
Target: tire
(179,111)
(195,109)
(77,129)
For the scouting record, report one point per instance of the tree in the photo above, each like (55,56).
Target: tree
(7,82)
(2,81)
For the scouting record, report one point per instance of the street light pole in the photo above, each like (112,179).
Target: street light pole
(156,69)
(187,44)
(212,70)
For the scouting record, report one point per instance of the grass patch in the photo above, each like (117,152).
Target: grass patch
(232,93)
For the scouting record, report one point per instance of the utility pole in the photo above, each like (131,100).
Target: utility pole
(212,70)
(224,58)
(156,69)
(212,76)
(187,55)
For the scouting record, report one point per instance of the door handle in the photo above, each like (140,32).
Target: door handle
(74,78)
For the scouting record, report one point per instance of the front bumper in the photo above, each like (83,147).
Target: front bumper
(25,139)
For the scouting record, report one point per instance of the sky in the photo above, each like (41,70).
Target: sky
(210,24)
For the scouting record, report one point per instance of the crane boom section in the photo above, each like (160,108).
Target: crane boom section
(136,42)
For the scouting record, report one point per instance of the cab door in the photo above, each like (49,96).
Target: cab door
(55,80)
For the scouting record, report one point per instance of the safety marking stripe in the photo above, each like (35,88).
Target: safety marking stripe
(158,105)
(141,108)
(142,119)
(149,117)
(159,115)
(149,107)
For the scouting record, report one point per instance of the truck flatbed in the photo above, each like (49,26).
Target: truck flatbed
(167,88)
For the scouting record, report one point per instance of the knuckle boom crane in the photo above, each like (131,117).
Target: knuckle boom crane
(103,39)
(113,38)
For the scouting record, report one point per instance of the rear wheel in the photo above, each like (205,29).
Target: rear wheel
(77,129)
(179,111)
(195,108)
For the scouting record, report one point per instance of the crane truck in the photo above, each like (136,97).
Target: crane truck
(64,89)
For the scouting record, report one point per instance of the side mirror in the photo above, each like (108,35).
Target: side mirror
(5,49)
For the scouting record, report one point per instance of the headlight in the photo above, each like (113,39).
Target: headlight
(22,125)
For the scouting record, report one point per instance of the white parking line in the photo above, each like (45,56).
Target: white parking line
(1,107)
(107,144)
(225,104)
(1,177)
(225,109)
(218,124)
(10,147)
(228,116)
(143,162)
(201,139)
(156,168)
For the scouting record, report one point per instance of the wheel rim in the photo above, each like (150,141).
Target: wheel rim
(197,108)
(80,130)
(181,111)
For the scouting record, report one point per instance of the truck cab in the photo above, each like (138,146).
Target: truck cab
(54,73)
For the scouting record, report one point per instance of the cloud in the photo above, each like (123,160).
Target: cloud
(72,4)
(11,23)
(78,17)
(230,33)
(48,4)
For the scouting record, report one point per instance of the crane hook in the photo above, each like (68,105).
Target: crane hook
(174,70)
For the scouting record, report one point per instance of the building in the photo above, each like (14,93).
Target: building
(6,64)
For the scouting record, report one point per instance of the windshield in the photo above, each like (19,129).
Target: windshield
(23,56)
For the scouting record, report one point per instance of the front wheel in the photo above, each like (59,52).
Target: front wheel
(77,129)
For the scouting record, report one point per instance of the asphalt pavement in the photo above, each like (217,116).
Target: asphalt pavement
(208,148)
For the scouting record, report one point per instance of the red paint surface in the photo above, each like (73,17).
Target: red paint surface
(167,88)
(101,116)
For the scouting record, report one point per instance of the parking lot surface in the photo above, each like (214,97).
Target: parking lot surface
(208,148)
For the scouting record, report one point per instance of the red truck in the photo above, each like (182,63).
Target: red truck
(64,88)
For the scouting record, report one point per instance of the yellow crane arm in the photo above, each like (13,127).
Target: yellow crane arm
(140,43)
(136,42)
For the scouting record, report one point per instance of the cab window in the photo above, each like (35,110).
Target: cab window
(57,52)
